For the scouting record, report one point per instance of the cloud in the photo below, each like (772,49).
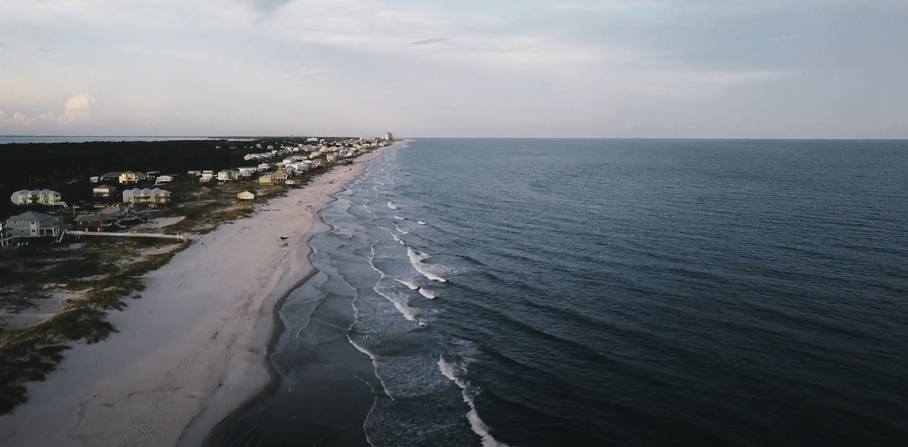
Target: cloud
(76,113)
(42,49)
(430,41)
(77,110)
(2,44)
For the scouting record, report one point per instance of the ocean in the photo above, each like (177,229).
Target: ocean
(601,293)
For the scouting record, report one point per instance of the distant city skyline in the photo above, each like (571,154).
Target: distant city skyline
(581,68)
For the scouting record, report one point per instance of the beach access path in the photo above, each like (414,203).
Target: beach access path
(193,347)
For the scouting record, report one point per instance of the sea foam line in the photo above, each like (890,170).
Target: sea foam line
(408,312)
(416,259)
(454,373)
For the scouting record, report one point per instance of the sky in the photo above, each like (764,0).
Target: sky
(466,68)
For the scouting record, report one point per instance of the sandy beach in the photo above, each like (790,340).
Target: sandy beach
(193,347)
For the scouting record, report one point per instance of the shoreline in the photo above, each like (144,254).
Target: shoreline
(190,351)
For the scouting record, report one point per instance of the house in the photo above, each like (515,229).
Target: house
(145,196)
(109,177)
(247,172)
(42,197)
(331,158)
(164,179)
(226,175)
(245,195)
(130,177)
(280,176)
(291,181)
(193,173)
(32,224)
(6,240)
(207,176)
(103,191)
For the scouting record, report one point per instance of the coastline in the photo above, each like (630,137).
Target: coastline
(194,347)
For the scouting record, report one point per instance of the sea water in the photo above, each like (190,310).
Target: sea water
(602,293)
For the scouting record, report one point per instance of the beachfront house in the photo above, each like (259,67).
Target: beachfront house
(102,220)
(32,224)
(331,158)
(226,175)
(37,197)
(246,172)
(163,179)
(245,195)
(206,176)
(6,239)
(103,191)
(131,178)
(145,196)
(193,173)
(108,177)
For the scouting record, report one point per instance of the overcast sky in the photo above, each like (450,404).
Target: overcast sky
(582,68)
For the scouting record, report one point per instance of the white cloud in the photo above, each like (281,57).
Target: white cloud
(77,110)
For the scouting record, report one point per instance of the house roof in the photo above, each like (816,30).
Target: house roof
(32,215)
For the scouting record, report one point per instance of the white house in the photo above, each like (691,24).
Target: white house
(103,191)
(226,175)
(32,224)
(42,197)
(207,176)
(146,196)
(164,179)
(245,195)
(246,172)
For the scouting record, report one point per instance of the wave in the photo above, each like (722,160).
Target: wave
(409,284)
(367,209)
(392,234)
(399,230)
(455,374)
(392,205)
(416,259)
(420,222)
(400,218)
(400,303)
(428,293)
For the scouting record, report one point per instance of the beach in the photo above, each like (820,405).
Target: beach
(194,346)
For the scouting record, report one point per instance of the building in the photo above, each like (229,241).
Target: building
(103,191)
(37,197)
(108,177)
(100,221)
(163,179)
(145,196)
(32,224)
(6,240)
(130,177)
(226,175)
(275,178)
(245,195)
(389,136)
(207,176)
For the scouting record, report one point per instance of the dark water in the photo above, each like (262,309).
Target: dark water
(603,293)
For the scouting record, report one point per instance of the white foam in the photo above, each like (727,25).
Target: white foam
(420,222)
(400,218)
(399,230)
(453,373)
(367,209)
(428,293)
(409,284)
(416,259)
(392,234)
(392,205)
